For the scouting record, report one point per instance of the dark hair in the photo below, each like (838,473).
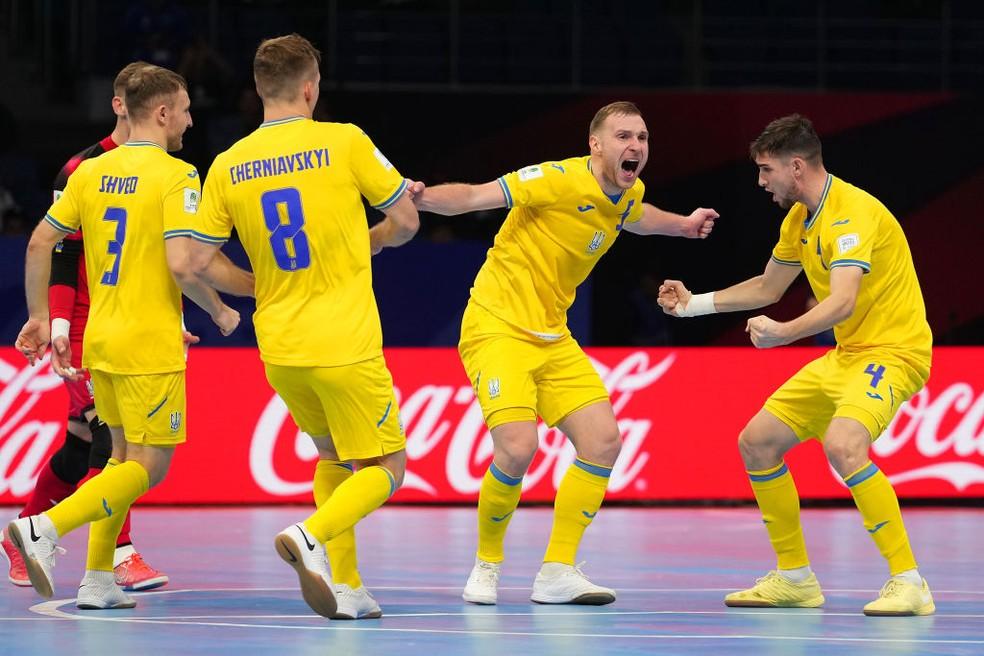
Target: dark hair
(280,63)
(789,135)
(147,85)
(622,107)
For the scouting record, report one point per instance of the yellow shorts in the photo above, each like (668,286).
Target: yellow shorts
(354,404)
(150,408)
(512,370)
(868,387)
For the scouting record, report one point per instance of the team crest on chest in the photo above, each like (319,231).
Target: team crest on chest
(596,242)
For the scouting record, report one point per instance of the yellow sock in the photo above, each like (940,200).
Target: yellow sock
(497,501)
(879,508)
(779,502)
(579,497)
(328,475)
(364,491)
(103,533)
(109,493)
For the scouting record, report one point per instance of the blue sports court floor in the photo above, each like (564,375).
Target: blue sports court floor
(231,594)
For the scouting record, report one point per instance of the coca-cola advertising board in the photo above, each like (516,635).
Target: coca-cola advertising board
(679,412)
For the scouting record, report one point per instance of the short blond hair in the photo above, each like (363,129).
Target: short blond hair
(280,63)
(119,84)
(147,85)
(620,108)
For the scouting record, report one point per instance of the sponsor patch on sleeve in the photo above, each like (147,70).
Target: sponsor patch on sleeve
(530,173)
(191,198)
(382,159)
(847,242)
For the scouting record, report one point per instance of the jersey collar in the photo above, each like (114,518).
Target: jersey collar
(614,198)
(145,143)
(811,219)
(281,121)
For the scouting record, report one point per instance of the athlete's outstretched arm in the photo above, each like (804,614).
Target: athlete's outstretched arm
(696,225)
(766,289)
(397,228)
(456,198)
(845,283)
(204,296)
(217,270)
(36,333)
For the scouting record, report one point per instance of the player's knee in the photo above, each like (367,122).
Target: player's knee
(604,448)
(845,456)
(70,463)
(756,448)
(102,443)
(515,455)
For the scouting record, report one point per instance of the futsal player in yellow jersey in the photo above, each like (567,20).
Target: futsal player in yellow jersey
(858,263)
(518,352)
(125,201)
(293,190)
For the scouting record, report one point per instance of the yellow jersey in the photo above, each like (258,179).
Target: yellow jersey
(127,201)
(852,228)
(293,190)
(560,223)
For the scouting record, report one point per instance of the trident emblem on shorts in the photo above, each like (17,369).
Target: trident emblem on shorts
(493,388)
(175,421)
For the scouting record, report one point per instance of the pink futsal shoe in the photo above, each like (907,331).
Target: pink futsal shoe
(133,574)
(17,573)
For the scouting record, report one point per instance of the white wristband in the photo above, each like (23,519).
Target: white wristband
(699,304)
(59,328)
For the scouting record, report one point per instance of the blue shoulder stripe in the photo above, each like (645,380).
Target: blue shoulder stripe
(395,196)
(61,227)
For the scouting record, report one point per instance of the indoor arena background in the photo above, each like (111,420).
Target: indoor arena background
(454,90)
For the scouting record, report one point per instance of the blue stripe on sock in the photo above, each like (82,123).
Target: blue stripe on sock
(503,477)
(389,475)
(597,470)
(761,478)
(345,465)
(861,476)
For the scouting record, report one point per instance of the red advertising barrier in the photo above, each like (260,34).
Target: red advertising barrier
(679,410)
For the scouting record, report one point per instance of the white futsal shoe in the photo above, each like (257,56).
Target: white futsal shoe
(98,591)
(306,555)
(37,542)
(483,583)
(355,603)
(557,583)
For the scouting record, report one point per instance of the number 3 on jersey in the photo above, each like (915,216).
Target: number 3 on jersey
(290,244)
(115,246)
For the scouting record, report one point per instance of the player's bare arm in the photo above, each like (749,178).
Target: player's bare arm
(696,225)
(766,289)
(179,261)
(223,275)
(845,282)
(36,334)
(456,198)
(397,228)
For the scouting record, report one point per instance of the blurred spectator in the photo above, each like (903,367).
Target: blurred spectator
(21,194)
(157,32)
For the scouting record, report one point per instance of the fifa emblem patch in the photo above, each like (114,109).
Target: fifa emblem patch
(381,158)
(175,421)
(191,198)
(493,388)
(530,173)
(596,242)
(847,242)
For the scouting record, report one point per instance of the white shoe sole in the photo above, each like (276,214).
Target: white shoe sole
(586,599)
(98,605)
(39,580)
(316,592)
(481,600)
(372,615)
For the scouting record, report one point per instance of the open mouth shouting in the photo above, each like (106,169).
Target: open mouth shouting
(629,169)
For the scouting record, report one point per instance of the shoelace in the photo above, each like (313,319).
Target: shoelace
(488,573)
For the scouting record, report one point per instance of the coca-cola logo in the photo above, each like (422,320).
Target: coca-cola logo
(427,414)
(947,426)
(24,441)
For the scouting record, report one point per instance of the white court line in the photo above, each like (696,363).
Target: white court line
(52,609)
